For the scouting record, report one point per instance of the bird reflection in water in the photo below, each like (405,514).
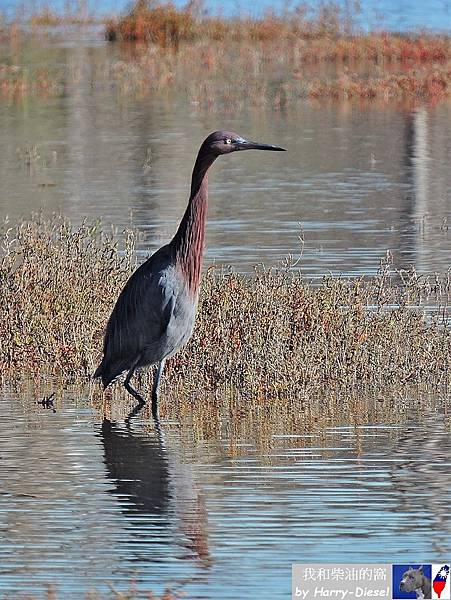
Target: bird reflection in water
(157,491)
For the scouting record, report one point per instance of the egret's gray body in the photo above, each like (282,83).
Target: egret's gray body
(155,312)
(153,317)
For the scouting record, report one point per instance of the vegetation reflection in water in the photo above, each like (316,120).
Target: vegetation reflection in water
(92,501)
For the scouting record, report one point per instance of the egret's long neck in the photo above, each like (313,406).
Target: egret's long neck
(188,242)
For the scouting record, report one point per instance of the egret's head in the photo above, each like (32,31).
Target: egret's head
(224,142)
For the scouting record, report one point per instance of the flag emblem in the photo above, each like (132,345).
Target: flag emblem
(440,581)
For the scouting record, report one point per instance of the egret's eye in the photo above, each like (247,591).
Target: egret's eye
(228,141)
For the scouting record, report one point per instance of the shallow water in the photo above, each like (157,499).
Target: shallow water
(361,179)
(86,503)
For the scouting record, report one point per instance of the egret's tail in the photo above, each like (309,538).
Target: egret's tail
(109,373)
(99,372)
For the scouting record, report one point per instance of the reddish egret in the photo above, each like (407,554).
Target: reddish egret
(154,314)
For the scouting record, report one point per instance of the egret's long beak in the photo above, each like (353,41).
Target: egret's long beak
(248,145)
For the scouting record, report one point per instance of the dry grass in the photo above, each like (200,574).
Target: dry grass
(55,281)
(272,334)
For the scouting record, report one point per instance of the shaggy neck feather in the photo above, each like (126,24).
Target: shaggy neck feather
(188,242)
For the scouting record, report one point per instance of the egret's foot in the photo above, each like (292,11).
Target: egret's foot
(135,412)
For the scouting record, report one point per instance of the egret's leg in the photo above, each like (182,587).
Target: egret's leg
(131,390)
(156,383)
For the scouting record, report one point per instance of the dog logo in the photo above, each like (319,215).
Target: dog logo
(412,581)
(440,584)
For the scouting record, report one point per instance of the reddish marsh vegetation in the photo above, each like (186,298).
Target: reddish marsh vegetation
(330,32)
(277,56)
(276,60)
